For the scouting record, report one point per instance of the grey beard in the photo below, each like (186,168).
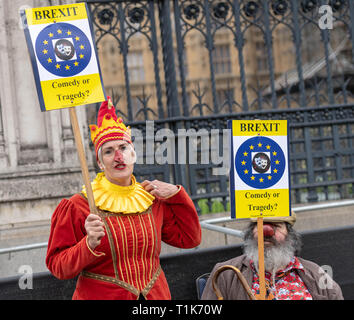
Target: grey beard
(276,256)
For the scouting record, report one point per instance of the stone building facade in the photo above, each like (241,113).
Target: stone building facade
(38,158)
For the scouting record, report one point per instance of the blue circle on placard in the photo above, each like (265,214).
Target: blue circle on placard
(63,49)
(260,162)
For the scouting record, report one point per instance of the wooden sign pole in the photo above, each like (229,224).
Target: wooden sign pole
(261,271)
(82,158)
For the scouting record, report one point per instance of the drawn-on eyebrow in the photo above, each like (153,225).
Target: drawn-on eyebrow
(107,149)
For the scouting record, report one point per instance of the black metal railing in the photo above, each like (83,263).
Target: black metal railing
(203,62)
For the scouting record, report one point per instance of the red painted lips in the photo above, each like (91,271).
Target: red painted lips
(120,166)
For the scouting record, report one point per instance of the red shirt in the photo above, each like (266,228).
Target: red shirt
(288,283)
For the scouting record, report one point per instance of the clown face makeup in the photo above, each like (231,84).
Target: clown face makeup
(117,158)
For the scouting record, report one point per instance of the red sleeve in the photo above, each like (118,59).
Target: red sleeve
(68,253)
(181,227)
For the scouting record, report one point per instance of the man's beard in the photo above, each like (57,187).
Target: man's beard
(276,256)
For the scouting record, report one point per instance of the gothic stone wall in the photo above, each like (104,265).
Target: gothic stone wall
(38,159)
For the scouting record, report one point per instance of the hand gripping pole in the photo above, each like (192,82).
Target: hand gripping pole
(240,277)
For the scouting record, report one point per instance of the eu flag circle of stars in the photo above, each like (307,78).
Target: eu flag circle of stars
(63,36)
(252,151)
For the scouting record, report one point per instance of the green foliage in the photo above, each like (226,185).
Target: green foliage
(203,205)
(216,206)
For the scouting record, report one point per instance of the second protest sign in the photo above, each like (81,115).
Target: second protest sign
(259,176)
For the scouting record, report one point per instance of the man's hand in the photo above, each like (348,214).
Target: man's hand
(94,229)
(159,189)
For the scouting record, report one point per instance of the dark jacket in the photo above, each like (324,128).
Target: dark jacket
(232,289)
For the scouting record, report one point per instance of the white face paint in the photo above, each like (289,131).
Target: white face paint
(117,158)
(129,155)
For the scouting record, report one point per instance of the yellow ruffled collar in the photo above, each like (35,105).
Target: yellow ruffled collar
(118,199)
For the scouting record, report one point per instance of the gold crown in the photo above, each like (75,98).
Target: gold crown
(108,127)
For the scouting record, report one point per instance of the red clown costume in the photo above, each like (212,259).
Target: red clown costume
(126,264)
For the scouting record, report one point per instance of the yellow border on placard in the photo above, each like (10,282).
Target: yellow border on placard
(262,203)
(45,15)
(259,128)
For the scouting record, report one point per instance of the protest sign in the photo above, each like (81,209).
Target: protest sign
(63,55)
(259,175)
(65,65)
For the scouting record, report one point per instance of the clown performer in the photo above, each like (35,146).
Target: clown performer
(115,253)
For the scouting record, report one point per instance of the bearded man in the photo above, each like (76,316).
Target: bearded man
(287,276)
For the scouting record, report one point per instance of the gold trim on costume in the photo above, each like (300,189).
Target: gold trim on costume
(155,232)
(98,254)
(124,249)
(144,249)
(104,278)
(154,244)
(135,253)
(146,290)
(123,284)
(111,245)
